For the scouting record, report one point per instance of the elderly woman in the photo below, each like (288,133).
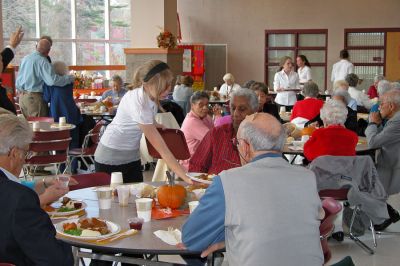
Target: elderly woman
(373,89)
(116,92)
(333,138)
(286,83)
(383,86)
(229,86)
(310,106)
(361,98)
(342,84)
(264,100)
(197,122)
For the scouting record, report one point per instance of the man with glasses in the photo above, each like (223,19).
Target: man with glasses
(387,138)
(27,235)
(216,152)
(265,212)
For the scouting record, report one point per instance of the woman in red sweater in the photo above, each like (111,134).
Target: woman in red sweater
(333,138)
(310,106)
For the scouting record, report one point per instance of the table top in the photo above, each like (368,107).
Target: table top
(142,242)
(361,148)
(48,126)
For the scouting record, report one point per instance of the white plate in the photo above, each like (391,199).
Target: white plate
(56,213)
(193,176)
(113,227)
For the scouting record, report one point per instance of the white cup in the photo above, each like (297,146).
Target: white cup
(215,88)
(116,179)
(36,126)
(282,109)
(123,195)
(327,98)
(104,195)
(62,121)
(64,180)
(193,205)
(143,208)
(305,138)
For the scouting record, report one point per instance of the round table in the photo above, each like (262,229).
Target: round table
(144,242)
(48,126)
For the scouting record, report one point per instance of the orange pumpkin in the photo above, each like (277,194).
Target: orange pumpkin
(171,195)
(307,131)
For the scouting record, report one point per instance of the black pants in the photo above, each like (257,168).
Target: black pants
(131,172)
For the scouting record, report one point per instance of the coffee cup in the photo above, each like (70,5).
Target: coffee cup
(62,121)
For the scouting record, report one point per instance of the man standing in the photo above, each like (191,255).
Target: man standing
(342,68)
(35,70)
(387,138)
(267,211)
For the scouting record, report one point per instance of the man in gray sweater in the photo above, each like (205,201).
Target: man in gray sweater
(265,212)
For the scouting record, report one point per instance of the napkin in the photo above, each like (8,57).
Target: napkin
(171,237)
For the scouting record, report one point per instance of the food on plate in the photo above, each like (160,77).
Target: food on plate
(86,227)
(68,205)
(171,195)
(148,191)
(49,208)
(206,177)
(190,188)
(292,130)
(289,140)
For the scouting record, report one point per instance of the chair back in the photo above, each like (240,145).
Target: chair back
(92,139)
(40,119)
(91,180)
(49,147)
(331,208)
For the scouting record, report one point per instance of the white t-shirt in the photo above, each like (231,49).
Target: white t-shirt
(304,74)
(227,90)
(291,81)
(124,133)
(341,69)
(361,98)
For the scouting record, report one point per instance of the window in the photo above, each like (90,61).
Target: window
(84,32)
(311,43)
(368,50)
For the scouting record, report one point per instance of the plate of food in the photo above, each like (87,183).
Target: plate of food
(201,177)
(87,228)
(65,207)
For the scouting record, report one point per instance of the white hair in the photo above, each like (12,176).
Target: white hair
(60,68)
(228,76)
(383,87)
(261,140)
(395,85)
(249,94)
(343,93)
(14,132)
(334,113)
(378,78)
(393,96)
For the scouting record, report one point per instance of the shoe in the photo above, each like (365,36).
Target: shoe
(338,236)
(393,214)
(383,226)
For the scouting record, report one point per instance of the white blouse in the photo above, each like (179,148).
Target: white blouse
(226,90)
(291,81)
(304,74)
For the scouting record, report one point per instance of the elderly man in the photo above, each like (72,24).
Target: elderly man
(215,152)
(35,70)
(27,235)
(267,211)
(116,92)
(387,138)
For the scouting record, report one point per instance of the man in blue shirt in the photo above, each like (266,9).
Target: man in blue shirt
(266,212)
(116,92)
(35,70)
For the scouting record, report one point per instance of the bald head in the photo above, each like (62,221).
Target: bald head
(43,47)
(263,132)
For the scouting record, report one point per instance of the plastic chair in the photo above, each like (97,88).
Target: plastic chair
(91,180)
(48,148)
(40,119)
(89,146)
(331,208)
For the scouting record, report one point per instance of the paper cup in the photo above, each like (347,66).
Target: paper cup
(104,195)
(123,195)
(64,180)
(36,126)
(327,98)
(193,205)
(143,208)
(282,109)
(116,179)
(62,121)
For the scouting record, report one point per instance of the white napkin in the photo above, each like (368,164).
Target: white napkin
(171,237)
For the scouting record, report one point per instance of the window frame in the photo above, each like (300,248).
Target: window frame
(295,48)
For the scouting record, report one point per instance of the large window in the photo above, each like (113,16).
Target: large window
(311,43)
(372,53)
(84,32)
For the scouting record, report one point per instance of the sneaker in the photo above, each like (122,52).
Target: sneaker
(393,214)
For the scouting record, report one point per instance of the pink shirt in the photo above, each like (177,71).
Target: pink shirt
(195,129)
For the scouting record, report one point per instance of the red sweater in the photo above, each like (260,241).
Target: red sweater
(307,108)
(333,140)
(372,92)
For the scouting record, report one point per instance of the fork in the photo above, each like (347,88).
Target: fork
(115,237)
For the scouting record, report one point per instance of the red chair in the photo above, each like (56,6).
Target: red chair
(40,119)
(331,208)
(89,146)
(48,148)
(91,180)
